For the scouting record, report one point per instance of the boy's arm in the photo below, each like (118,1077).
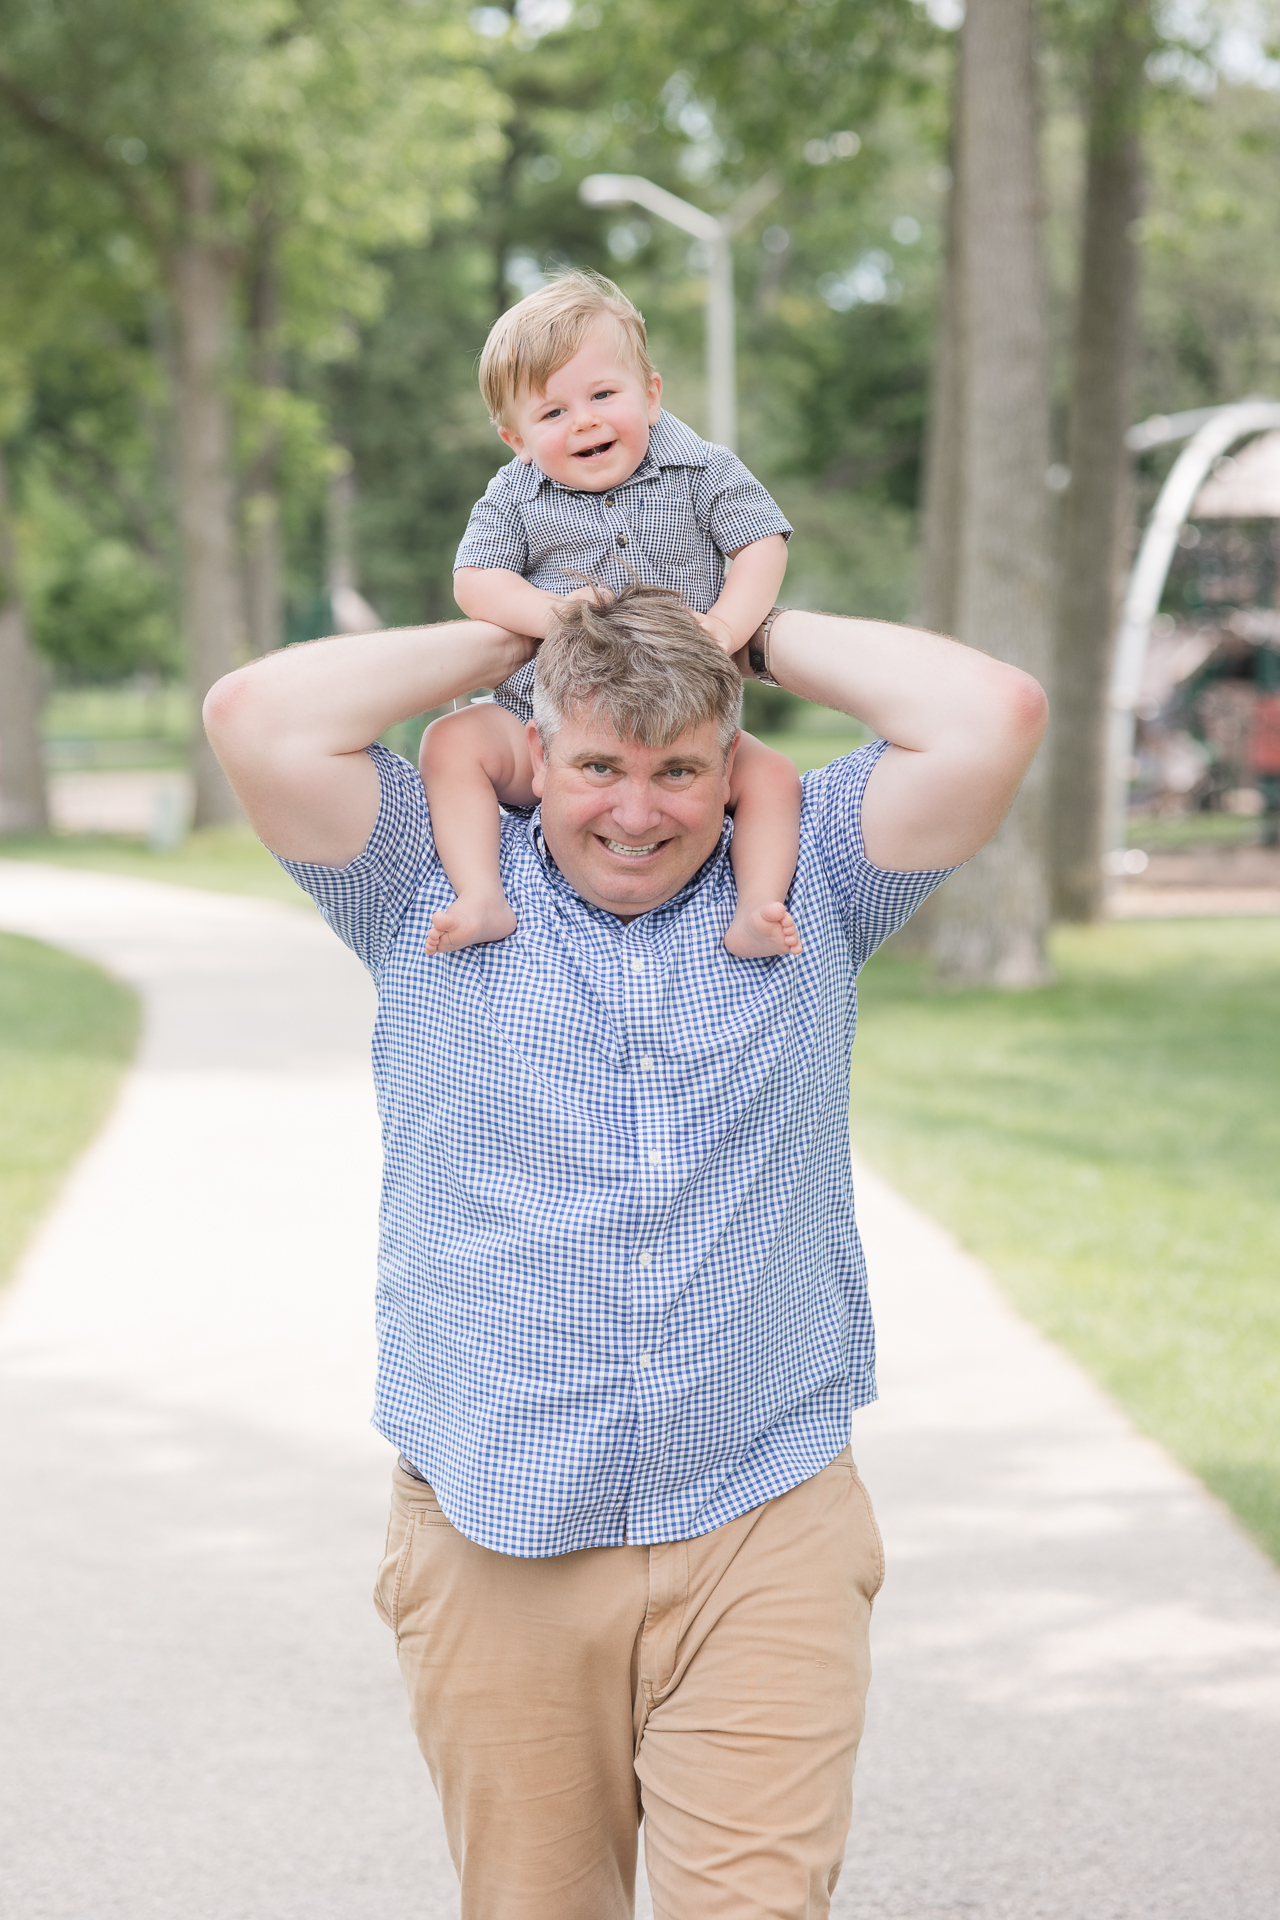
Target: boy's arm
(499,595)
(749,592)
(291,729)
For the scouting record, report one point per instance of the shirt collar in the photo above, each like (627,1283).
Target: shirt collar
(671,444)
(570,895)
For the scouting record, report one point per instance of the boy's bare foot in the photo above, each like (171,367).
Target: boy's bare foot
(761,933)
(469,922)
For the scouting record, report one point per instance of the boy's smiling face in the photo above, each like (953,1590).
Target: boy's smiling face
(590,429)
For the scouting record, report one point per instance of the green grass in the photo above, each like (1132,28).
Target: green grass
(1189,830)
(220,859)
(818,736)
(1110,1146)
(117,727)
(67,1033)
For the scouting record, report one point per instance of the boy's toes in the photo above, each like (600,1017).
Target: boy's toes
(468,924)
(775,925)
(764,933)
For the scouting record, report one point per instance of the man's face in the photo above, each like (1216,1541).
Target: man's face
(590,429)
(627,825)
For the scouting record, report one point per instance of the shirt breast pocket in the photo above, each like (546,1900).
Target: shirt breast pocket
(669,533)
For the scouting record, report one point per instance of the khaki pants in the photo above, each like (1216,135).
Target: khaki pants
(714,1686)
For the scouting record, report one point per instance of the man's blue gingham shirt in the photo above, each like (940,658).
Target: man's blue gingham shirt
(621,1295)
(687,505)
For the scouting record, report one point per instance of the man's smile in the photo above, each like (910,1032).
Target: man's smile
(630,853)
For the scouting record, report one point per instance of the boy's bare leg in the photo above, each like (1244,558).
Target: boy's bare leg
(764,795)
(470,761)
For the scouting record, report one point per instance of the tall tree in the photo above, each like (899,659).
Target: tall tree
(263,531)
(339,121)
(940,517)
(995,912)
(23,807)
(1094,515)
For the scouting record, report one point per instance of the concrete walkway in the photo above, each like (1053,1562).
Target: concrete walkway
(1077,1700)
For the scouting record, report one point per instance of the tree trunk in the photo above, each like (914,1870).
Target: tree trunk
(203,271)
(995,913)
(1094,508)
(940,505)
(263,534)
(24,807)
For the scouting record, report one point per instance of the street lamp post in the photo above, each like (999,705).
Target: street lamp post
(716,232)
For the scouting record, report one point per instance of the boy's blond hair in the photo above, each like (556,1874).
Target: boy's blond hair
(536,337)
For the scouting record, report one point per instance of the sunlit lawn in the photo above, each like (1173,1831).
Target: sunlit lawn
(1111,1148)
(221,859)
(66,1035)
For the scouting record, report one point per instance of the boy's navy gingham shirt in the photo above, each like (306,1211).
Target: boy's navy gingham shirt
(621,1295)
(687,505)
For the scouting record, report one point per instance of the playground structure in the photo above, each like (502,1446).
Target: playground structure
(1210,432)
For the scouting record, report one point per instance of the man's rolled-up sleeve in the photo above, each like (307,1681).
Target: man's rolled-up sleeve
(731,505)
(876,901)
(365,902)
(495,535)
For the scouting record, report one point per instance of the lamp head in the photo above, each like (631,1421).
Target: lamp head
(604,190)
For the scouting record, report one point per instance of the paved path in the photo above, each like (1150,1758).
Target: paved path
(1076,1710)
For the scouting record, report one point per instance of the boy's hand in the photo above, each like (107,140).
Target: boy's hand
(720,633)
(587,591)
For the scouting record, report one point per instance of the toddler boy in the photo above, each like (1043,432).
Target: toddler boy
(605,489)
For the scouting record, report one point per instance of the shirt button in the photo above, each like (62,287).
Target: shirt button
(637,966)
(608,499)
(622,539)
(644,1259)
(655,1158)
(642,1359)
(646,1061)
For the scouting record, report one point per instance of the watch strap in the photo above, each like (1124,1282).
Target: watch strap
(758,648)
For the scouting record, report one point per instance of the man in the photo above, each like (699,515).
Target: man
(622,1306)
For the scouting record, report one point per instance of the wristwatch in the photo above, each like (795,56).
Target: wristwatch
(758,648)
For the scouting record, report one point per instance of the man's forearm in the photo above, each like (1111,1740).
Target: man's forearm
(291,729)
(337,695)
(909,686)
(966,726)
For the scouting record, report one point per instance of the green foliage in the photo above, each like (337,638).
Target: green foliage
(1211,259)
(100,611)
(331,130)
(832,401)
(1109,1147)
(66,1035)
(389,175)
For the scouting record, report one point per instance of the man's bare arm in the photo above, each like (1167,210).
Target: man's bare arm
(291,729)
(963,729)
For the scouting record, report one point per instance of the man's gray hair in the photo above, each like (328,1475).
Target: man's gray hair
(640,662)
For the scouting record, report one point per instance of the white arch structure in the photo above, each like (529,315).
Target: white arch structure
(1212,430)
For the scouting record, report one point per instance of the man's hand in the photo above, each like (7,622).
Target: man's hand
(291,729)
(963,729)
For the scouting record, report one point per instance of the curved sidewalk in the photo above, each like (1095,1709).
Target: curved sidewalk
(1076,1709)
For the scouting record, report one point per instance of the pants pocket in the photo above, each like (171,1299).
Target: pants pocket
(877,1538)
(387,1586)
